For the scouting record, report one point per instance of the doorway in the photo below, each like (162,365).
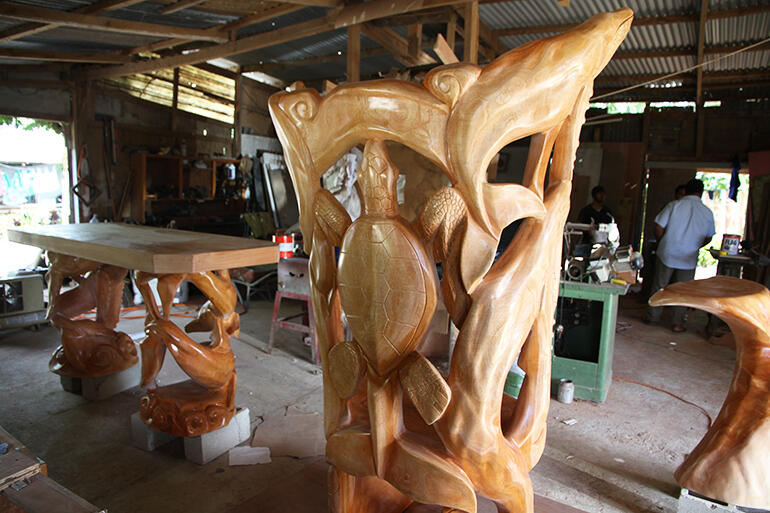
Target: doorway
(729,215)
(34,184)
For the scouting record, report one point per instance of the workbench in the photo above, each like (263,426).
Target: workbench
(98,257)
(584,352)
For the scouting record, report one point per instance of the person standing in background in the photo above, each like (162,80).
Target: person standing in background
(680,191)
(682,228)
(595,212)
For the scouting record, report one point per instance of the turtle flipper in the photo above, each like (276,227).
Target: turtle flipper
(425,386)
(347,366)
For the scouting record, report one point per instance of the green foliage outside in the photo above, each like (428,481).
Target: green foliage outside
(716,187)
(31,124)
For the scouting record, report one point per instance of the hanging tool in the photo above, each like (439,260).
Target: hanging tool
(84,188)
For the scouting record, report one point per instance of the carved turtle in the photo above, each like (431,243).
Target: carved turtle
(387,281)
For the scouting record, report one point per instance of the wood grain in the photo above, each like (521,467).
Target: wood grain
(405,436)
(148,249)
(730,463)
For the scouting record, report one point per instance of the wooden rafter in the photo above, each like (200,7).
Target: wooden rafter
(444,51)
(471,35)
(314,3)
(28,29)
(46,55)
(88,21)
(700,128)
(376,9)
(638,22)
(246,44)
(353,56)
(396,44)
(709,77)
(680,52)
(180,5)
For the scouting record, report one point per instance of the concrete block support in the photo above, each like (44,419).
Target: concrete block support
(96,389)
(693,503)
(198,449)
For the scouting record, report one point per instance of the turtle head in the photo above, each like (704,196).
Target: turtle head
(377,177)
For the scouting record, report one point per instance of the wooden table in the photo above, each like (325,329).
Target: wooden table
(98,257)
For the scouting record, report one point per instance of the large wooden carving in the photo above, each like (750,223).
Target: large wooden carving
(207,401)
(397,431)
(89,348)
(730,463)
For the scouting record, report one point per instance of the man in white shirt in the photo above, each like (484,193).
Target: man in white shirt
(682,228)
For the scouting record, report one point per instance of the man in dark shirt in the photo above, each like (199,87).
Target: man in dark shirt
(595,212)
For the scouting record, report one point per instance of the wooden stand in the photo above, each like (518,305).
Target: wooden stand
(397,432)
(730,463)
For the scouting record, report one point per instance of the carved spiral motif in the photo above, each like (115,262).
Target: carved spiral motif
(194,422)
(217,415)
(306,108)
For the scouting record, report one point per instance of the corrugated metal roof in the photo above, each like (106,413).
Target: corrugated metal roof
(738,30)
(740,62)
(657,65)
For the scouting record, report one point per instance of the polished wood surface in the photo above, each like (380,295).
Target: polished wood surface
(397,432)
(207,401)
(148,249)
(731,462)
(90,348)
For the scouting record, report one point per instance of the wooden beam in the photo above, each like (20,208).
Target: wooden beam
(87,21)
(397,45)
(205,66)
(736,77)
(353,56)
(444,52)
(246,44)
(639,22)
(180,5)
(34,28)
(471,29)
(375,9)
(440,15)
(451,31)
(414,39)
(46,55)
(314,3)
(175,102)
(687,51)
(237,118)
(700,129)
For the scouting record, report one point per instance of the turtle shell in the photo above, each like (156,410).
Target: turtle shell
(387,284)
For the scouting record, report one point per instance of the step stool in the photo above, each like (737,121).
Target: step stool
(294,283)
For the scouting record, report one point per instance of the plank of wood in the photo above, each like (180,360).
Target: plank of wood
(44,495)
(28,29)
(88,21)
(46,55)
(18,463)
(143,248)
(444,51)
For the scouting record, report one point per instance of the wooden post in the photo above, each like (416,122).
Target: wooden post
(415,40)
(354,53)
(451,30)
(175,102)
(237,113)
(471,29)
(700,122)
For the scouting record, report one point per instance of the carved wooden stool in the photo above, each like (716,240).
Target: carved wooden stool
(397,432)
(732,461)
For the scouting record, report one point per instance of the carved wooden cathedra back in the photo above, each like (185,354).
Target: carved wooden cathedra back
(397,431)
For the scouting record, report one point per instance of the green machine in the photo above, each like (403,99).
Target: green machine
(584,337)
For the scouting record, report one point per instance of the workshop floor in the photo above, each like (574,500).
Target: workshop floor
(618,457)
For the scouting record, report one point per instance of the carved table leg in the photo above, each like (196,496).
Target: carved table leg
(730,463)
(207,401)
(89,348)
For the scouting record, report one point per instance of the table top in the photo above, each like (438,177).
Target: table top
(731,259)
(149,249)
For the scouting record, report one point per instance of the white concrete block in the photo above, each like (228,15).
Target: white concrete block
(146,438)
(690,503)
(96,389)
(248,456)
(71,385)
(204,448)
